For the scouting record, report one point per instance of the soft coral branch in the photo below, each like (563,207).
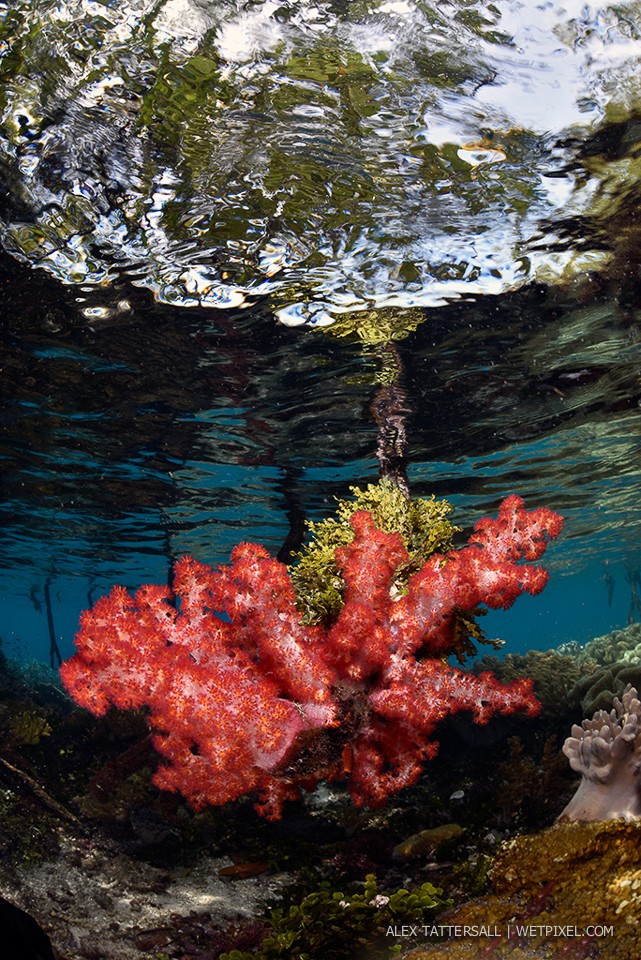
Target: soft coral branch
(245,698)
(487,571)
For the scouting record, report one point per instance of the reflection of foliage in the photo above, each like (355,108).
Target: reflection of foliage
(343,68)
(177,90)
(377,326)
(305,150)
(334,925)
(422,523)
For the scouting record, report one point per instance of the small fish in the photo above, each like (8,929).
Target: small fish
(427,841)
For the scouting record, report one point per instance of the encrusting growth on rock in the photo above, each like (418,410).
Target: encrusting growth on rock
(571,892)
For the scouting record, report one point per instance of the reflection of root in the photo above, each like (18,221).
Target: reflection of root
(389,409)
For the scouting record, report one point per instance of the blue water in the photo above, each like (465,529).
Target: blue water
(479,201)
(128,445)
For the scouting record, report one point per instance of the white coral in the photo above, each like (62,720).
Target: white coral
(606,751)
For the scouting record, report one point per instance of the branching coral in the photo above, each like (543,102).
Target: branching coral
(245,698)
(606,751)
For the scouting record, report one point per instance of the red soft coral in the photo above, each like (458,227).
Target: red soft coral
(244,698)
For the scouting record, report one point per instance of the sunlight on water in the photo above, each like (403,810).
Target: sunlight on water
(336,158)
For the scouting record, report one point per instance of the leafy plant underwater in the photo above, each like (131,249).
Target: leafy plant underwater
(333,925)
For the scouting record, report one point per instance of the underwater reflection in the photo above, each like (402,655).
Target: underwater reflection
(333,157)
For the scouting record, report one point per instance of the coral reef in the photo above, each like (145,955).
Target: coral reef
(617,646)
(606,664)
(554,676)
(606,751)
(242,697)
(597,690)
(572,892)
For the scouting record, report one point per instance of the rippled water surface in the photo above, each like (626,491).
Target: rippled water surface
(459,179)
(333,156)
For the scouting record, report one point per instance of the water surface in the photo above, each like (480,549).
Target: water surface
(332,156)
(460,179)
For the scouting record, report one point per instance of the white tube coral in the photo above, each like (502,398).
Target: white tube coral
(606,751)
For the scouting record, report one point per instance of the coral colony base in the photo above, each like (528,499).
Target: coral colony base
(243,697)
(606,751)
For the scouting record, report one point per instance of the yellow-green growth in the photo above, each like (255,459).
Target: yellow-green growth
(28,726)
(377,327)
(333,925)
(422,524)
(466,633)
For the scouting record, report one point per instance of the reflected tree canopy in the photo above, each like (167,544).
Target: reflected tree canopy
(336,157)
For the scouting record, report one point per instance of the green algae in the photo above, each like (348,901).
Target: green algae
(422,523)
